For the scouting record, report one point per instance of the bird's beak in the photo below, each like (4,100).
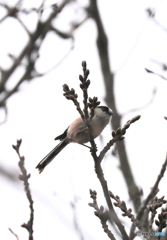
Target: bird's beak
(110,112)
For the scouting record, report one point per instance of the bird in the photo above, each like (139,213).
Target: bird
(78,132)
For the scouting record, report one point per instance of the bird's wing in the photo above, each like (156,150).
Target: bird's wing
(62,136)
(84,130)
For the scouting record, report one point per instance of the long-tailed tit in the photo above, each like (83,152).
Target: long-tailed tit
(77,132)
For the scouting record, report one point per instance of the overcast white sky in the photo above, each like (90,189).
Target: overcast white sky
(39,112)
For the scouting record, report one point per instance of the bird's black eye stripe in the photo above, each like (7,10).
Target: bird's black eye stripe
(103,108)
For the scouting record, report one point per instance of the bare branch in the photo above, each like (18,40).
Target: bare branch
(24,177)
(154,92)
(157,74)
(64,35)
(11,12)
(58,63)
(24,26)
(76,224)
(117,136)
(13,233)
(70,94)
(157,203)
(126,212)
(108,75)
(151,13)
(149,197)
(28,52)
(103,216)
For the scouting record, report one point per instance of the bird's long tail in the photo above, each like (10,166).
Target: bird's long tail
(48,158)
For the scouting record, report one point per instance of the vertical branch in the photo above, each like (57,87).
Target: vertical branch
(101,214)
(24,177)
(112,213)
(102,45)
(93,103)
(85,85)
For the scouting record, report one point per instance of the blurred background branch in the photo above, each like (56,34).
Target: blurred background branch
(30,52)
(108,77)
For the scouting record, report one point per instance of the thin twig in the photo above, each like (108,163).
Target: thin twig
(84,85)
(58,63)
(93,103)
(71,95)
(144,106)
(162,217)
(103,216)
(24,26)
(126,212)
(157,74)
(13,233)
(76,223)
(117,136)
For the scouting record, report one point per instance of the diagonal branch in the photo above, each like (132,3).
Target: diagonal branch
(33,45)
(14,233)
(117,136)
(157,74)
(40,33)
(154,92)
(126,212)
(112,213)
